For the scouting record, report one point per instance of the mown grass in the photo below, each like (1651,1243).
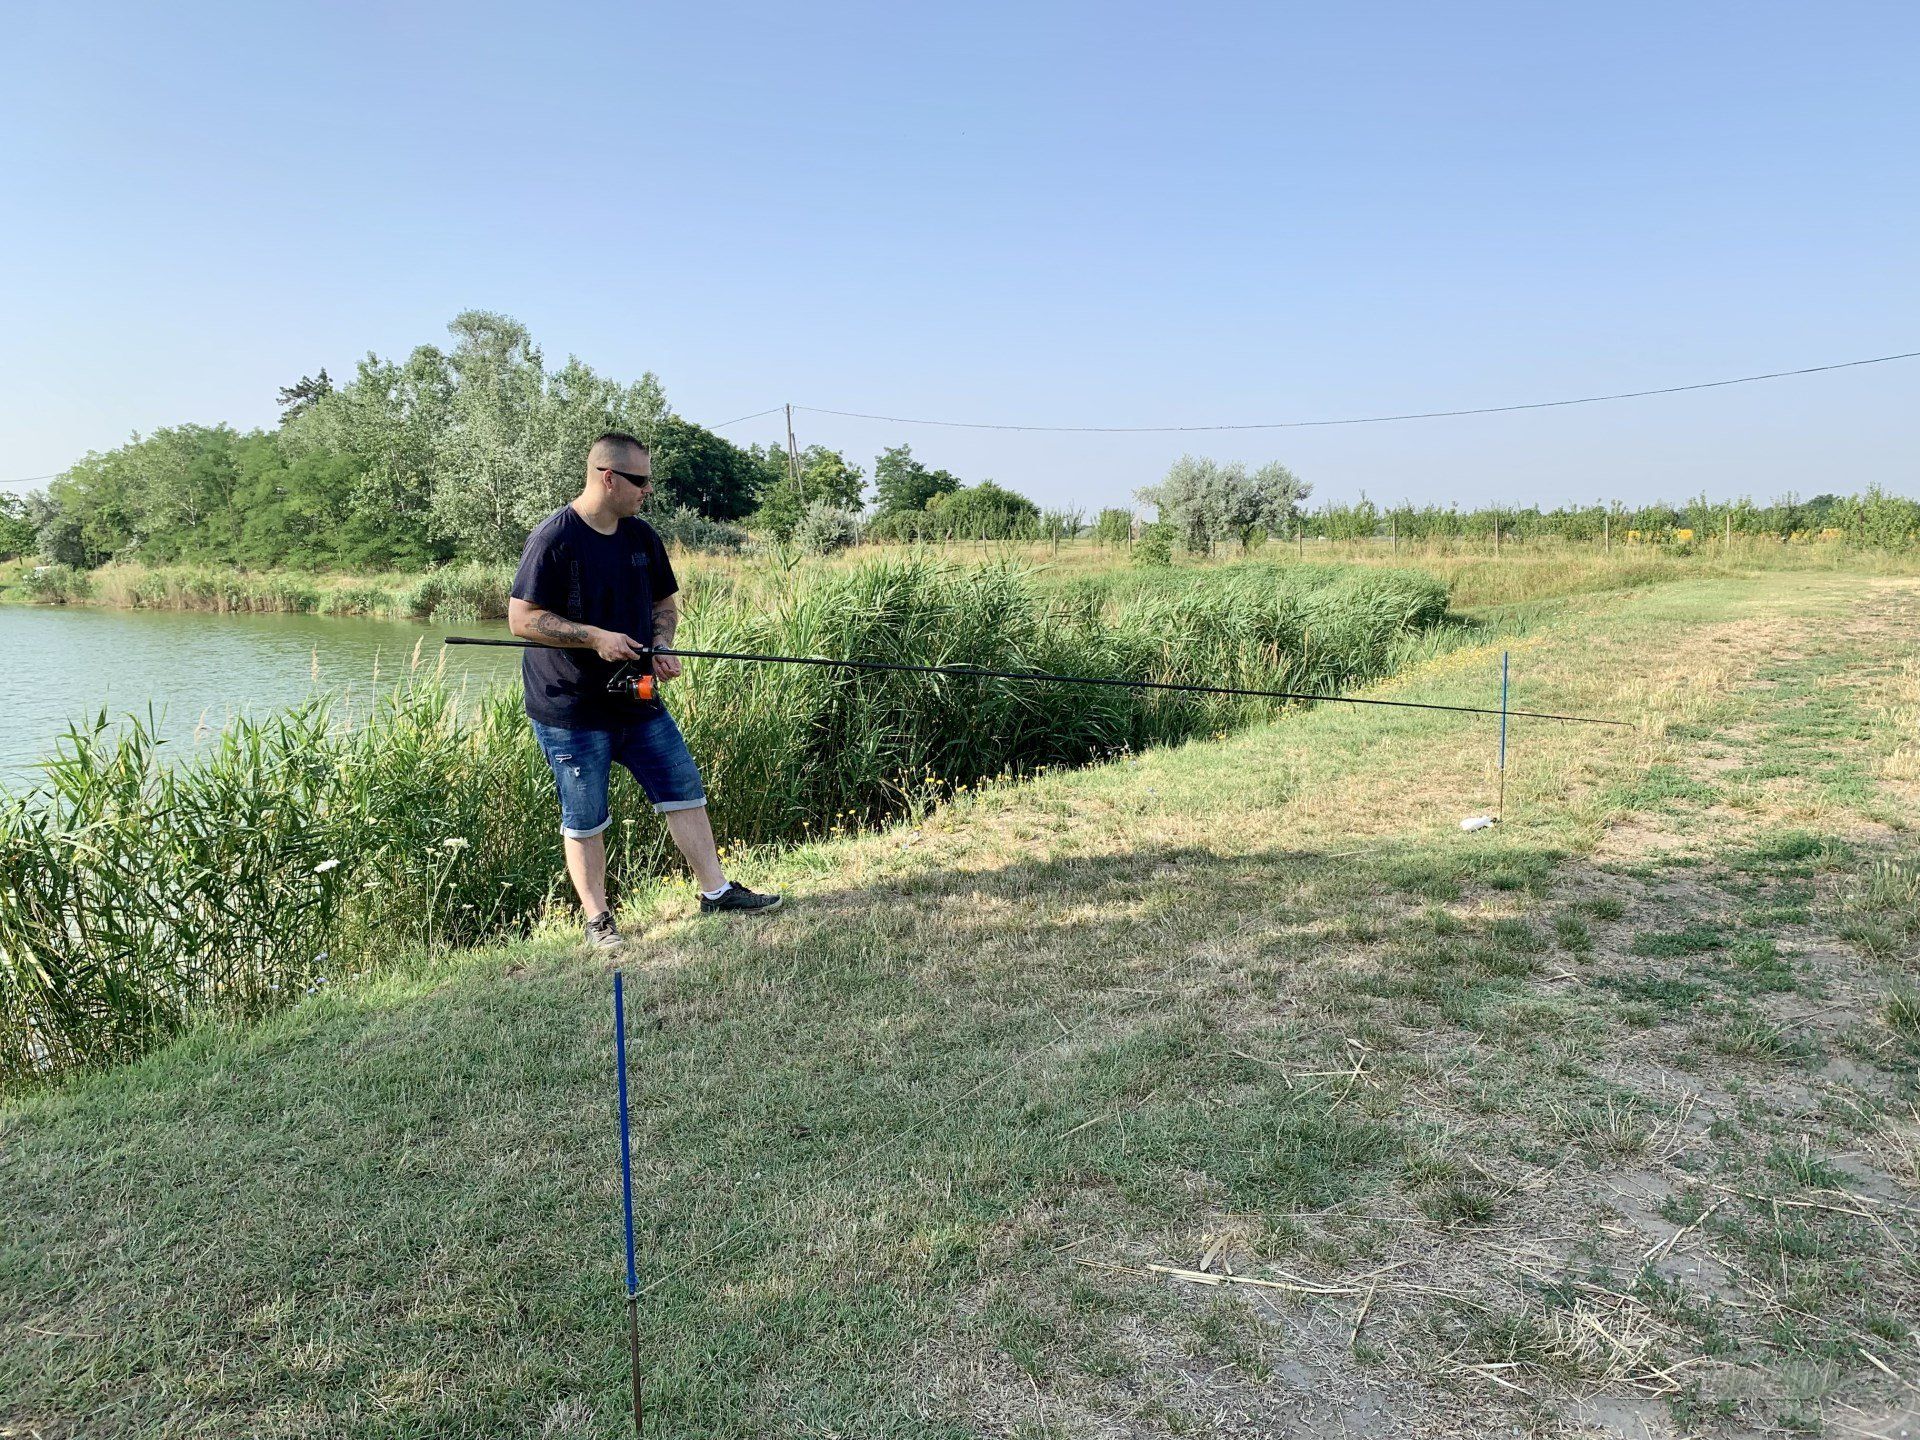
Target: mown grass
(905,1151)
(139,894)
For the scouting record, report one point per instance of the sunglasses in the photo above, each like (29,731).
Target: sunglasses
(642,481)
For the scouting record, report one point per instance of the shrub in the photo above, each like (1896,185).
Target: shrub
(1155,545)
(824,528)
(57,584)
(459,592)
(360,598)
(690,530)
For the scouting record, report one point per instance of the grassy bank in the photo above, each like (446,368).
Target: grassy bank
(464,592)
(1599,1121)
(136,895)
(1475,575)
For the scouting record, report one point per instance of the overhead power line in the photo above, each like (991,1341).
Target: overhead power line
(1273,424)
(741,420)
(1358,419)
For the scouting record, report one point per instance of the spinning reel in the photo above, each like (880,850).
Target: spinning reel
(633,679)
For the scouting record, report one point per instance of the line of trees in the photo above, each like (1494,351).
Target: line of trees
(454,453)
(1203,503)
(449,454)
(1874,519)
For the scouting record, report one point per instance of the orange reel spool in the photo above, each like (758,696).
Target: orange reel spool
(633,687)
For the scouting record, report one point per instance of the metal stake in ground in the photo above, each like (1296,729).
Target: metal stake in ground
(626,1197)
(1500,810)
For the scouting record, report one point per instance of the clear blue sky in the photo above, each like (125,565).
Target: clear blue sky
(1072,214)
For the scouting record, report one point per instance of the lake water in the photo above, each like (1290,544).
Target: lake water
(65,664)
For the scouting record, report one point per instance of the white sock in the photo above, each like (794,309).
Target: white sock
(716,894)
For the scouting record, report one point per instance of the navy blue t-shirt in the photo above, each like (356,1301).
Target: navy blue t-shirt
(610,581)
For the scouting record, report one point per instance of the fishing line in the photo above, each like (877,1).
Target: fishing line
(1042,677)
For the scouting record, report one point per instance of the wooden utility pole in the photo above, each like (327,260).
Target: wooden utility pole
(1606,532)
(1393,530)
(793,469)
(1496,534)
(1729,529)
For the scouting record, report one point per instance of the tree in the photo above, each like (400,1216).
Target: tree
(17,530)
(462,452)
(1058,525)
(1358,521)
(984,512)
(1277,497)
(495,474)
(901,482)
(296,508)
(1114,527)
(1207,502)
(824,475)
(303,395)
(185,491)
(1202,500)
(696,468)
(391,419)
(167,495)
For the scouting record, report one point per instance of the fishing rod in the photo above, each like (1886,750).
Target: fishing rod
(641,686)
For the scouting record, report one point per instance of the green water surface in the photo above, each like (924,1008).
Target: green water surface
(65,665)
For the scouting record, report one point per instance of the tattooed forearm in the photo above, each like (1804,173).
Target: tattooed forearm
(666,620)
(559,629)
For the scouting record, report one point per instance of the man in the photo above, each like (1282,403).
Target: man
(592,578)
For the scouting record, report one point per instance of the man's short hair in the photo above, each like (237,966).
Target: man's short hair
(607,439)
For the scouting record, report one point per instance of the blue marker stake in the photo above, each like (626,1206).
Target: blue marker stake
(1501,811)
(626,1196)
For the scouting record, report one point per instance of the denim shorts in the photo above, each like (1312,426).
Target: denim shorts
(653,752)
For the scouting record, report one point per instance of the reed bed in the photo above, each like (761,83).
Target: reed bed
(138,894)
(458,592)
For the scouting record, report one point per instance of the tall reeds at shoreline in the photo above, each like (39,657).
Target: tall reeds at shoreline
(456,592)
(139,893)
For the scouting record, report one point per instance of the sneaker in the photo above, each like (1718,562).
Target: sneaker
(738,897)
(602,933)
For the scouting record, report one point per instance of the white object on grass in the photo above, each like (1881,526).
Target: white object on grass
(1479,822)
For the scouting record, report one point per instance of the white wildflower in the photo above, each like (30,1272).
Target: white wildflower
(326,865)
